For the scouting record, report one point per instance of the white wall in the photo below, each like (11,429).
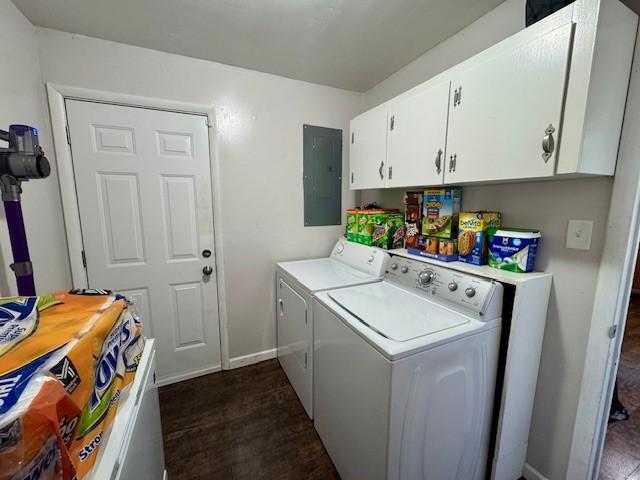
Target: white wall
(260,150)
(22,101)
(500,23)
(544,205)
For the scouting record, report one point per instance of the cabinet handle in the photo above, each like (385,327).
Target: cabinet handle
(392,122)
(439,161)
(548,143)
(453,159)
(352,137)
(390,174)
(351,177)
(380,170)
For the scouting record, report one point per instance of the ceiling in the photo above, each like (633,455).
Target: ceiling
(350,44)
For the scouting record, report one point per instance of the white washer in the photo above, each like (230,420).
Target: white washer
(296,284)
(405,373)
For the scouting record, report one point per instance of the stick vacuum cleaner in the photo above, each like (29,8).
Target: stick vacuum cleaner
(22,161)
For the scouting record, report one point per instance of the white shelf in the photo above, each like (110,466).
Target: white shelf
(480,270)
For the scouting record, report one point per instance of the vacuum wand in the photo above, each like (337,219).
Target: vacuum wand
(22,161)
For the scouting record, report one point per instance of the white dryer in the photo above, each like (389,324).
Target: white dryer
(405,373)
(296,284)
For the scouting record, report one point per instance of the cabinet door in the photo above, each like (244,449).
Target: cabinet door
(368,149)
(417,137)
(502,109)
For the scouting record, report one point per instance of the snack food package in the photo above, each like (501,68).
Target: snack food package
(440,211)
(448,247)
(352,224)
(413,213)
(473,235)
(62,382)
(390,233)
(413,198)
(412,232)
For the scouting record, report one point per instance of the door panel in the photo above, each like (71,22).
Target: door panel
(505,104)
(294,341)
(368,149)
(144,195)
(416,143)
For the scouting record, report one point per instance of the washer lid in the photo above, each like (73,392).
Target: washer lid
(395,313)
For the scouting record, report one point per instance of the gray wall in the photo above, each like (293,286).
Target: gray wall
(545,205)
(22,100)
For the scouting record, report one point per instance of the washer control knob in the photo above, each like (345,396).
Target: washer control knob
(339,247)
(470,292)
(404,269)
(371,259)
(394,266)
(453,286)
(425,277)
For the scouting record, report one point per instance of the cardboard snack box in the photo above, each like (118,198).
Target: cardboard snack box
(441,207)
(473,237)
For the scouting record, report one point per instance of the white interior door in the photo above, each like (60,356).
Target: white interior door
(501,108)
(416,143)
(368,149)
(144,195)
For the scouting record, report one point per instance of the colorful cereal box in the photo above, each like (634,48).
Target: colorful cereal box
(440,212)
(473,237)
(413,198)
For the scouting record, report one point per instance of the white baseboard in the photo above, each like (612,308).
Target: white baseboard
(161,382)
(252,358)
(531,473)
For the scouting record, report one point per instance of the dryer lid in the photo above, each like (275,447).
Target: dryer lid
(325,273)
(395,313)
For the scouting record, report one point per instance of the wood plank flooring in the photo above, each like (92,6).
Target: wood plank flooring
(621,458)
(241,424)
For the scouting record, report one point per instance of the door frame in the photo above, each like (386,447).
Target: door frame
(56,95)
(613,291)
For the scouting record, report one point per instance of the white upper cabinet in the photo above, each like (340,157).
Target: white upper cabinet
(505,112)
(547,102)
(368,149)
(417,136)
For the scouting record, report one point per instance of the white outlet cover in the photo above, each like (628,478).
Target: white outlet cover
(579,234)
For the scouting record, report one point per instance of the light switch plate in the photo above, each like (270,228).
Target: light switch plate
(579,234)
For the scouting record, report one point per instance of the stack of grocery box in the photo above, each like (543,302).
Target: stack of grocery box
(436,235)
(378,227)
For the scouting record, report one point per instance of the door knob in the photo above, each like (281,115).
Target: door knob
(207,270)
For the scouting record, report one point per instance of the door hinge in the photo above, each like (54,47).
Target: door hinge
(66,127)
(613,330)
(84,259)
(207,123)
(392,122)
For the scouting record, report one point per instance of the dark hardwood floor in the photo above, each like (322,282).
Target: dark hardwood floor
(241,424)
(621,458)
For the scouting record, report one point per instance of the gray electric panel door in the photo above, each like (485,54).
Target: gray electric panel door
(322,176)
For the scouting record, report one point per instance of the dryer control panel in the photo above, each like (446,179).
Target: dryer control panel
(447,286)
